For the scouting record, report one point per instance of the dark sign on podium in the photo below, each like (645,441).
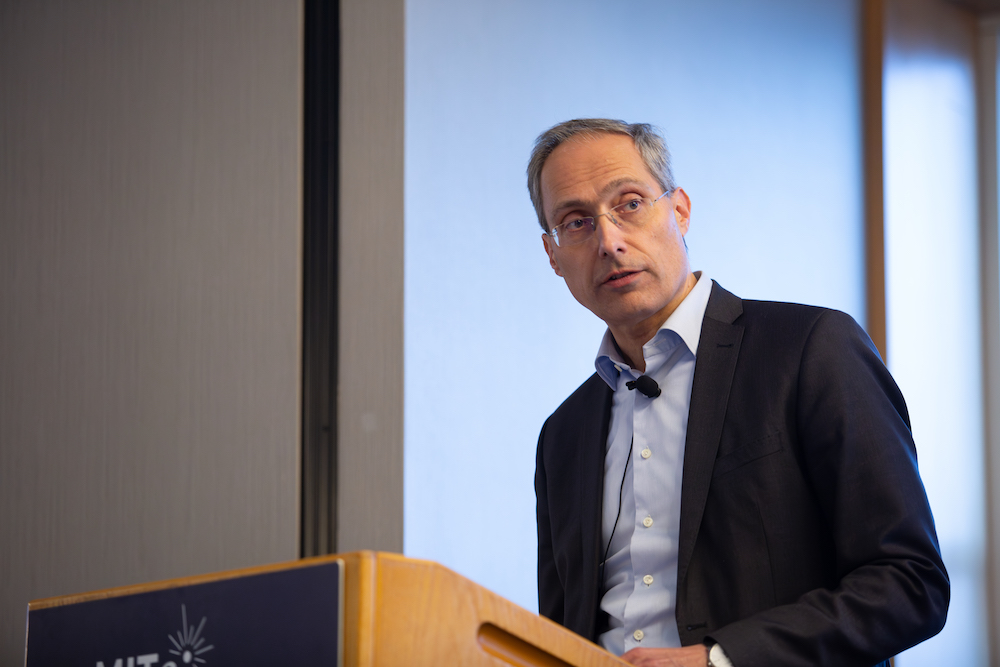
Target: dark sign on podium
(290,617)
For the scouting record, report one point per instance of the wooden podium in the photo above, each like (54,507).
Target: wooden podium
(361,609)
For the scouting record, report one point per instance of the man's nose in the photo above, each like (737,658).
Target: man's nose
(610,235)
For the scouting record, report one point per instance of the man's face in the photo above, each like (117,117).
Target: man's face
(631,279)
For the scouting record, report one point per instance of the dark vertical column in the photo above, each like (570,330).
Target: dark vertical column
(872,58)
(319,285)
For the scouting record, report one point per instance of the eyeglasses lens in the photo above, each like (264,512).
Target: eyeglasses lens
(632,214)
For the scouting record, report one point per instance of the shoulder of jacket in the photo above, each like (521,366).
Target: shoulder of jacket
(588,395)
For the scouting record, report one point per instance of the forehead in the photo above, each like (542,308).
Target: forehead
(581,168)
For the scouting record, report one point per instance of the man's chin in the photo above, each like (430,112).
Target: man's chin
(627,318)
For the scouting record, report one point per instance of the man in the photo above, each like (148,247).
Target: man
(737,484)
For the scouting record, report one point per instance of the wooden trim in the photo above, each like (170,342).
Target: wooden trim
(989,246)
(359,597)
(872,68)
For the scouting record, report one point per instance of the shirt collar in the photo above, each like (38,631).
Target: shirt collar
(685,321)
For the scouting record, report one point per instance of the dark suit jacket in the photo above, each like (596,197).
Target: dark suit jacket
(805,533)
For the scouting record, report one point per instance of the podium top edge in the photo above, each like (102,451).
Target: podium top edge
(58,601)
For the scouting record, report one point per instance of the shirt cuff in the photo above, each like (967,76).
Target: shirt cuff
(719,657)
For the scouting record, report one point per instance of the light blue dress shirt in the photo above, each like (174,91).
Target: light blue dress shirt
(640,575)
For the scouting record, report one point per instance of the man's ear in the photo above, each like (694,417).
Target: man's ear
(682,209)
(550,251)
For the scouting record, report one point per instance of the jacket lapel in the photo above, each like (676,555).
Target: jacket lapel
(715,363)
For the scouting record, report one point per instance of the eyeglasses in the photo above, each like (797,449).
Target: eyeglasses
(633,214)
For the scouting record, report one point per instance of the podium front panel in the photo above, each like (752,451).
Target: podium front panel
(291,617)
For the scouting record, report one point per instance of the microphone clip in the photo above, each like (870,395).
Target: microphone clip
(646,385)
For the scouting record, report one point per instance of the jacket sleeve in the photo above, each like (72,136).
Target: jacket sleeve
(551,597)
(854,447)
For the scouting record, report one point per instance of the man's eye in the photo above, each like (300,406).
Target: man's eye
(631,206)
(577,225)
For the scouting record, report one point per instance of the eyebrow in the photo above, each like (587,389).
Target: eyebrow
(610,187)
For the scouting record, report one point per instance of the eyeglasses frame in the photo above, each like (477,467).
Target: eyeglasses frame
(553,233)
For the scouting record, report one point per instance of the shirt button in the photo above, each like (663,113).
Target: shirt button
(648,521)
(646,453)
(638,634)
(648,579)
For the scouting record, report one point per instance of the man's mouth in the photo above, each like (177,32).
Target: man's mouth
(618,277)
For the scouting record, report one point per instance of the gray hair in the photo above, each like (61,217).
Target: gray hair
(651,146)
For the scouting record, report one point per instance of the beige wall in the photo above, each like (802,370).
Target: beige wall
(370,392)
(150,231)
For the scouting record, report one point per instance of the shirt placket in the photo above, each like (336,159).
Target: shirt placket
(650,538)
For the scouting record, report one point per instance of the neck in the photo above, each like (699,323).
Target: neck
(630,339)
